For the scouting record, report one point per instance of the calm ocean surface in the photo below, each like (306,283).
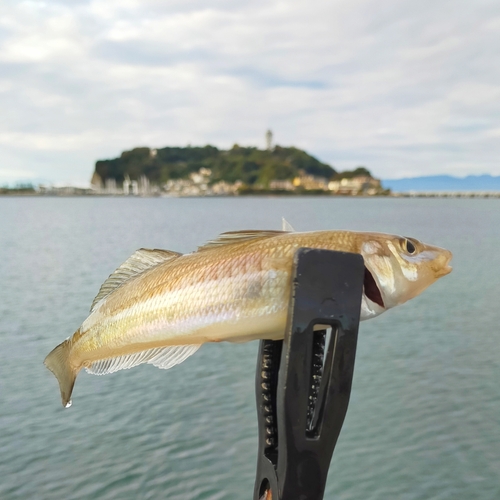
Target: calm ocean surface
(424,417)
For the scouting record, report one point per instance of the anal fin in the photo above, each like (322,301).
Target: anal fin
(161,357)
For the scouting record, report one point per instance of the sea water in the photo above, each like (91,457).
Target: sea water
(424,417)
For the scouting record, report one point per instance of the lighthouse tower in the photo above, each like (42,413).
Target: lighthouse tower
(269,140)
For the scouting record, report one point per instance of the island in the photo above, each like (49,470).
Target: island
(209,171)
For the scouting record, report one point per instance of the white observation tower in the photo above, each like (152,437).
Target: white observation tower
(269,140)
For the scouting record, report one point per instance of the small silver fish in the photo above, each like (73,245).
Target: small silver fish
(159,306)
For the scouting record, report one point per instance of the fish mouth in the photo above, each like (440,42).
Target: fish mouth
(444,271)
(445,267)
(371,288)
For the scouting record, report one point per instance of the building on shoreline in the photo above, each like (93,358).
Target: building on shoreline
(202,183)
(361,184)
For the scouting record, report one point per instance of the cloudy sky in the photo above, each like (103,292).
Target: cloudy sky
(406,88)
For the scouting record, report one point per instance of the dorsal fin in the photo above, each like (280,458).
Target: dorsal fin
(137,263)
(234,237)
(286,226)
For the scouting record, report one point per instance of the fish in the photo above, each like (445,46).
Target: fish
(160,306)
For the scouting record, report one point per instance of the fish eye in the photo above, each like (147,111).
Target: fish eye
(409,246)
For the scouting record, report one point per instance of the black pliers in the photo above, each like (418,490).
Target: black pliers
(303,383)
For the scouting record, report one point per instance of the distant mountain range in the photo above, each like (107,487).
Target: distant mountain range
(443,183)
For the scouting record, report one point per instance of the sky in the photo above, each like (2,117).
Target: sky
(404,88)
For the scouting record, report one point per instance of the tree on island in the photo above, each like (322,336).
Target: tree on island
(252,166)
(350,174)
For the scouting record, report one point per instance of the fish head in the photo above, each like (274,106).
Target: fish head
(398,268)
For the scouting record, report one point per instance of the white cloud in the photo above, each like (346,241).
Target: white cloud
(37,141)
(8,175)
(405,88)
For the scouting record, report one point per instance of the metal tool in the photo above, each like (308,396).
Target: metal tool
(303,383)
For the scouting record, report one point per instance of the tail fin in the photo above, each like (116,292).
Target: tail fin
(58,363)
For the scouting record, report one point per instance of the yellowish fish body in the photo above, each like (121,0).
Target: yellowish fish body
(160,306)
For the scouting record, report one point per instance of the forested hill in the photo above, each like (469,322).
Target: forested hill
(251,165)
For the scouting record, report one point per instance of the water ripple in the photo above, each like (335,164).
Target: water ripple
(424,417)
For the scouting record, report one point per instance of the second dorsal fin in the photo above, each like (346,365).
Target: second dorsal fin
(234,237)
(137,263)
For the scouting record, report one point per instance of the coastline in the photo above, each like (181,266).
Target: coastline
(266,194)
